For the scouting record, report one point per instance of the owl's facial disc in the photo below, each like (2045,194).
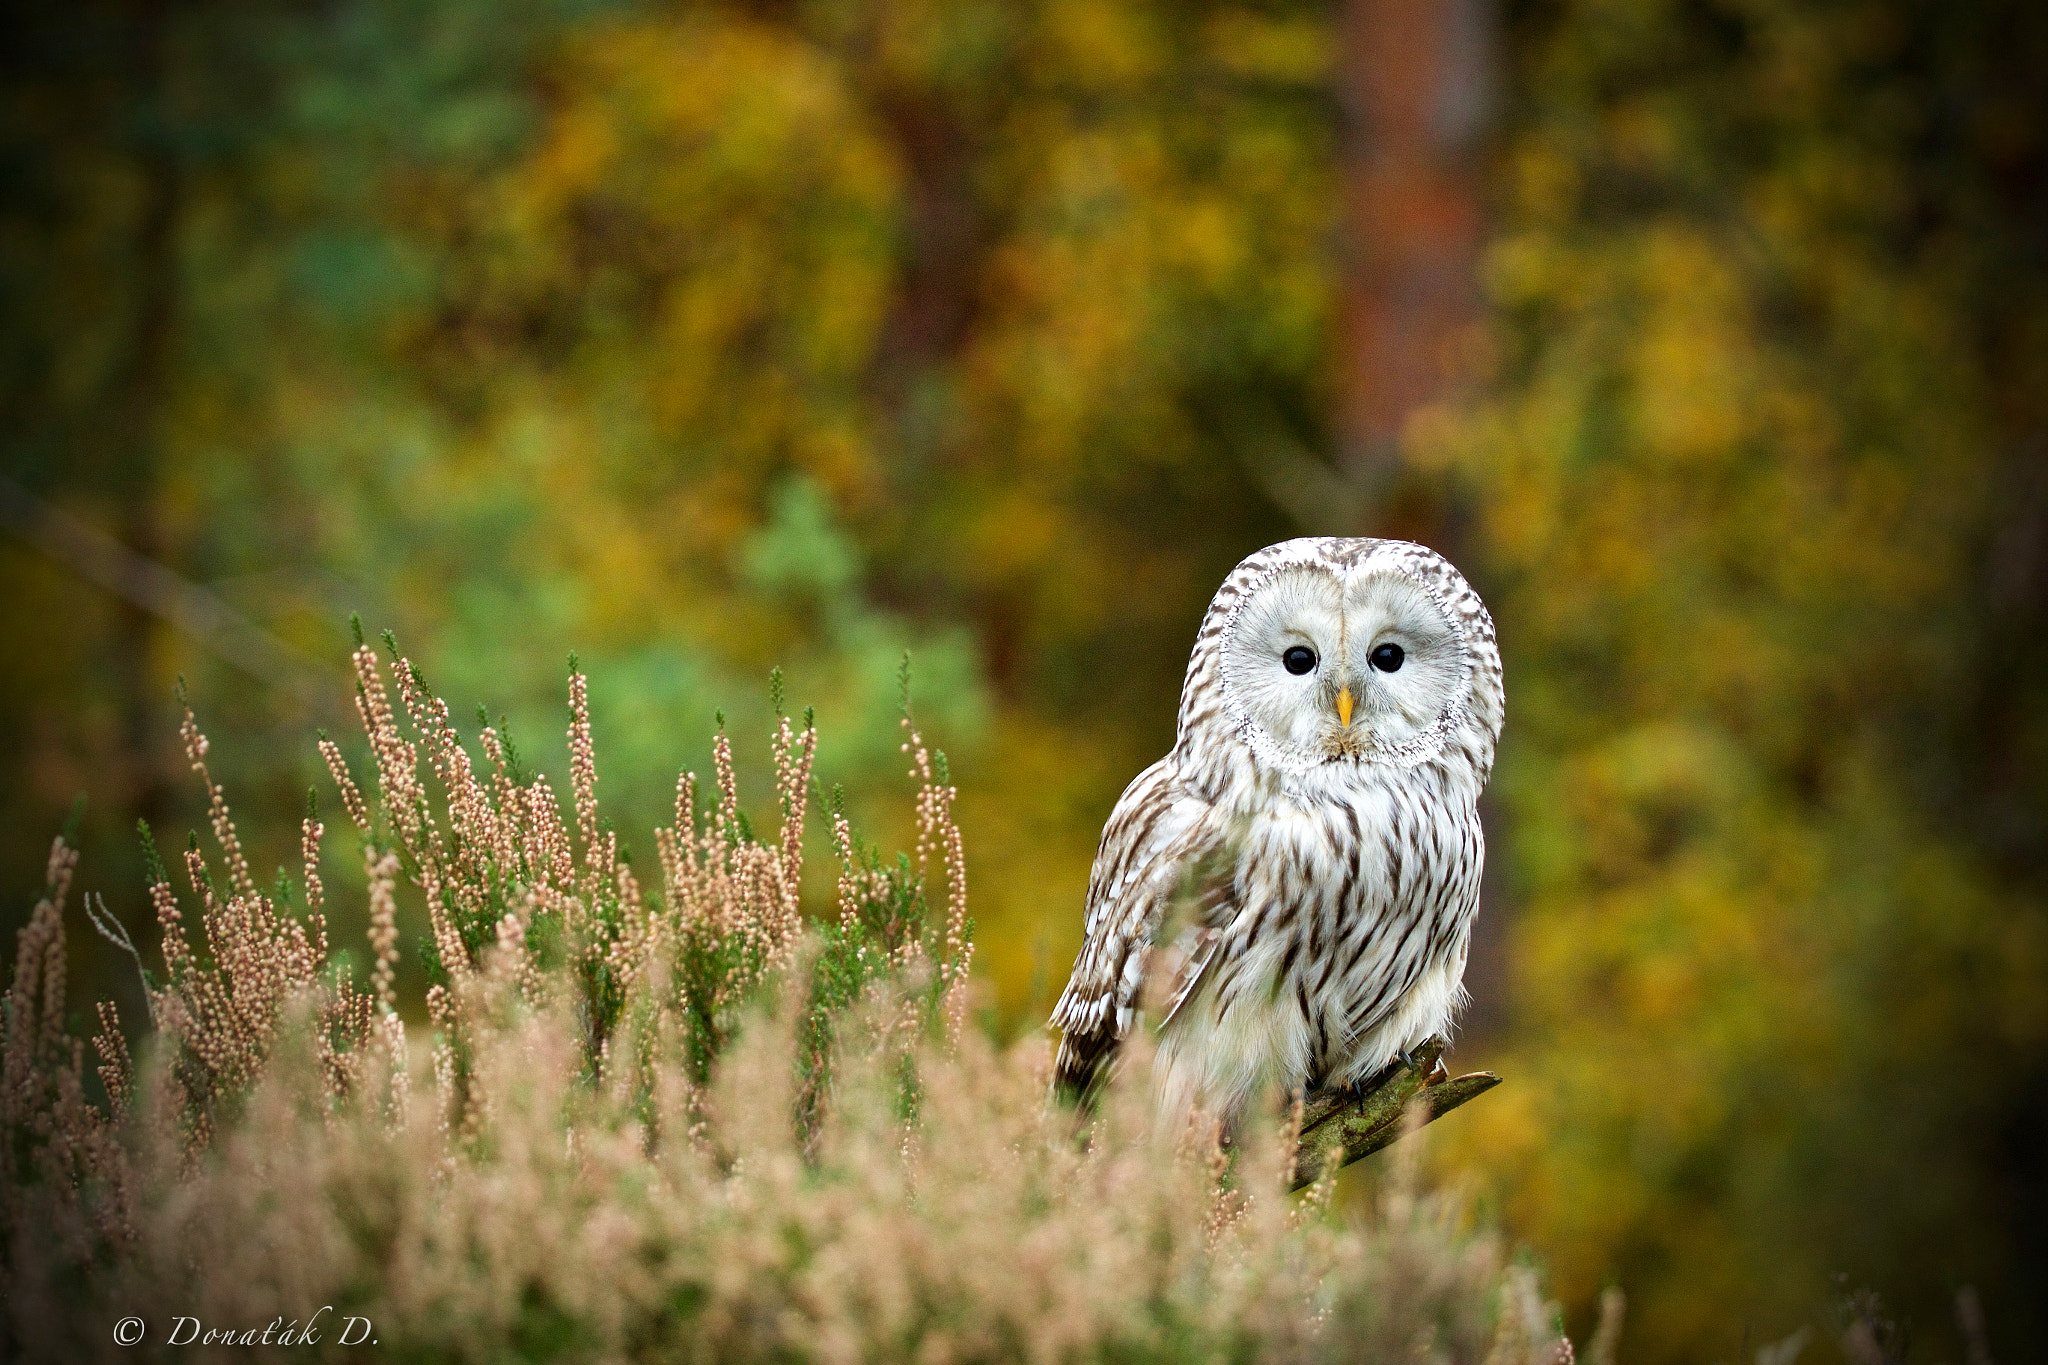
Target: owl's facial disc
(1410,661)
(1283,659)
(1319,666)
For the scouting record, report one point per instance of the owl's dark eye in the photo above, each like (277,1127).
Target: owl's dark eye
(1299,659)
(1387,658)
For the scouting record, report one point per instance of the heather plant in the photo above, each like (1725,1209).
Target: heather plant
(689,1121)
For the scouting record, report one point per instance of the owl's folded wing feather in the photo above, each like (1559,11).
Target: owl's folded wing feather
(1159,837)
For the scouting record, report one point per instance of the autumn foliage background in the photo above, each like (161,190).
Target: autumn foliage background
(1710,338)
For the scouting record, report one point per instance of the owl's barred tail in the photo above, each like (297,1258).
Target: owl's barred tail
(1079,1063)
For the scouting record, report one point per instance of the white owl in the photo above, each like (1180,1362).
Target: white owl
(1316,825)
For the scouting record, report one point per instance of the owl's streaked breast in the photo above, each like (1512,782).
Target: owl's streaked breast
(1348,940)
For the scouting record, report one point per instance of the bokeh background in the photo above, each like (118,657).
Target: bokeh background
(1709,336)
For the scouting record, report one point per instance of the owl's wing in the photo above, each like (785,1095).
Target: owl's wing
(1156,850)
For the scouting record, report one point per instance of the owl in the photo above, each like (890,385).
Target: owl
(1292,888)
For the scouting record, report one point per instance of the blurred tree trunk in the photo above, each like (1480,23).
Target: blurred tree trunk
(132,451)
(1418,91)
(90,208)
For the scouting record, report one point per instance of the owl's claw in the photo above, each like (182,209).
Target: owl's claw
(1366,1085)
(1356,1092)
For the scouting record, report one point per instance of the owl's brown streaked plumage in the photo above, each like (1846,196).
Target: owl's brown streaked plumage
(1315,825)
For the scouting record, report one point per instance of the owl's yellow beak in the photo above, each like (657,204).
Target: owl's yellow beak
(1344,707)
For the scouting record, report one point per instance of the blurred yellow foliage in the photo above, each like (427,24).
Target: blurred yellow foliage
(709,338)
(1746,466)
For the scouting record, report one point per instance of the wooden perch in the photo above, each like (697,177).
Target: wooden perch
(1338,1128)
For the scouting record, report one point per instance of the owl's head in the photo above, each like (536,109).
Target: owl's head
(1348,651)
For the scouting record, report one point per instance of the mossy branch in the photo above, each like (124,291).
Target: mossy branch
(1339,1128)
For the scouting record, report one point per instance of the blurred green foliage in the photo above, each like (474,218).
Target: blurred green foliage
(709,338)
(700,340)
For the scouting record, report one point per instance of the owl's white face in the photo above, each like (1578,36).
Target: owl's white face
(1322,664)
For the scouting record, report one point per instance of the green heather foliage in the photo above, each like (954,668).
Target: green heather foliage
(673,1124)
